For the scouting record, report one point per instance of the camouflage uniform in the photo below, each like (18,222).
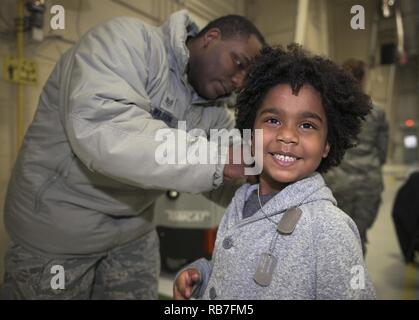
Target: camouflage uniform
(126,272)
(357,183)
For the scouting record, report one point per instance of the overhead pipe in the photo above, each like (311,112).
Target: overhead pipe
(400,37)
(301,23)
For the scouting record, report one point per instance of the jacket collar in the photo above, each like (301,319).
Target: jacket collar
(176,30)
(312,188)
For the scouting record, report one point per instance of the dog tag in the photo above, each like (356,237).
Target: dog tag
(289,220)
(265,270)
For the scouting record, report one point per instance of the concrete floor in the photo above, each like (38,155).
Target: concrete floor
(393,280)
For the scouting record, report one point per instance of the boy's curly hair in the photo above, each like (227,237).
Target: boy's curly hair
(342,97)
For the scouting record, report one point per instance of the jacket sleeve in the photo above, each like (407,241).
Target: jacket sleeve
(106,87)
(224,193)
(382,137)
(204,268)
(340,267)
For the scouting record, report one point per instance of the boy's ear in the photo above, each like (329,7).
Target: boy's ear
(326,150)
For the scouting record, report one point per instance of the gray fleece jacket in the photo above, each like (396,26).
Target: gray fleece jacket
(321,259)
(86,177)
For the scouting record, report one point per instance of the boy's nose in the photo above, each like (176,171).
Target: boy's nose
(287,135)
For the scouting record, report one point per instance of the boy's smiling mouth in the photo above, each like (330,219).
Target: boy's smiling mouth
(284,158)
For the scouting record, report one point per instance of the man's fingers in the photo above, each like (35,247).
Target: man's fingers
(234,171)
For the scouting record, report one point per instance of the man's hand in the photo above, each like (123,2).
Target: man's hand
(182,288)
(236,171)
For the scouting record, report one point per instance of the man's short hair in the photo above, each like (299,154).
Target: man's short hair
(232,26)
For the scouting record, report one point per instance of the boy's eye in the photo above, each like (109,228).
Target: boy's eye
(272,121)
(307,126)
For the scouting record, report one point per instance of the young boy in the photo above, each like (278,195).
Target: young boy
(284,238)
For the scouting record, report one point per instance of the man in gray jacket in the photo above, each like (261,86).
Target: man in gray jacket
(79,207)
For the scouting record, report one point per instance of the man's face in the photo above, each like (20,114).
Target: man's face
(221,65)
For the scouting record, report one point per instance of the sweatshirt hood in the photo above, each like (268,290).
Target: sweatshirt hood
(310,189)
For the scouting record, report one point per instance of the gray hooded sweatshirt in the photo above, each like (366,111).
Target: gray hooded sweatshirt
(320,259)
(86,177)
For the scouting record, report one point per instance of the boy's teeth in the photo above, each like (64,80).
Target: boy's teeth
(281,157)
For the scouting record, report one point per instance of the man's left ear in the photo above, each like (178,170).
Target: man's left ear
(326,150)
(211,35)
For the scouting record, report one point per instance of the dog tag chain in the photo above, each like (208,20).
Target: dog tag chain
(267,261)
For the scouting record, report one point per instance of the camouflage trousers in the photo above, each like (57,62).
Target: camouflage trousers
(127,272)
(362,208)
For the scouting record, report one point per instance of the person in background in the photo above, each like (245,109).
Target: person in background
(357,183)
(405,215)
(82,190)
